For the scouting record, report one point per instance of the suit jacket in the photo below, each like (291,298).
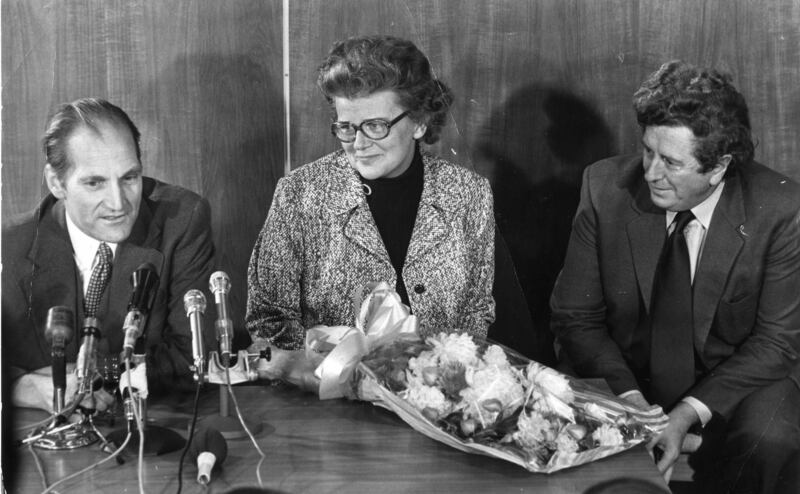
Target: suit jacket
(172,232)
(320,246)
(746,307)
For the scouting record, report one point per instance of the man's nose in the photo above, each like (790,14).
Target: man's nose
(115,198)
(654,169)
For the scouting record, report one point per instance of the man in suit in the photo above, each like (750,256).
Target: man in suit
(681,281)
(101,213)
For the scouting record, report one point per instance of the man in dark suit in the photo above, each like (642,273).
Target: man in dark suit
(681,281)
(101,212)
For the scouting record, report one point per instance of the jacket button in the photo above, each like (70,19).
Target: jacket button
(419,288)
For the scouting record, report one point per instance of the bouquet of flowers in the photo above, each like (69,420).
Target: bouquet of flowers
(474,395)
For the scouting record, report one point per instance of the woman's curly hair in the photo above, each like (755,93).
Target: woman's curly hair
(360,66)
(703,100)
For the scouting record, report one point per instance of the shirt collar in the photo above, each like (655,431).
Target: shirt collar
(84,247)
(703,211)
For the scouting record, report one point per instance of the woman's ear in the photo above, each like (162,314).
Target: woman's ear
(419,130)
(54,182)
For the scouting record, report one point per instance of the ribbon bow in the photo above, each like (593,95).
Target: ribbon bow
(382,318)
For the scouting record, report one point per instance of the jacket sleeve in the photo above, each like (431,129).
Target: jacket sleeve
(770,351)
(192,263)
(480,302)
(274,274)
(579,308)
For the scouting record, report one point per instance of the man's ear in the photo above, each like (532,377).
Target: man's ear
(54,183)
(718,172)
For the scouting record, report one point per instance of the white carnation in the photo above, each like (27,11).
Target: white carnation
(454,347)
(422,397)
(607,435)
(494,355)
(533,430)
(550,380)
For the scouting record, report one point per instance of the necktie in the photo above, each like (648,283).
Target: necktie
(98,281)
(672,329)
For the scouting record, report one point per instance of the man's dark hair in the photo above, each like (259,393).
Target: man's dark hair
(84,112)
(705,101)
(360,66)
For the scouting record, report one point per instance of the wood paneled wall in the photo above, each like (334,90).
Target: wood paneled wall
(542,89)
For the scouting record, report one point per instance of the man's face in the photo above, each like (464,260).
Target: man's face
(673,173)
(102,187)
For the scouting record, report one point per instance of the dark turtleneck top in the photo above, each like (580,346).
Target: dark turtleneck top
(393,203)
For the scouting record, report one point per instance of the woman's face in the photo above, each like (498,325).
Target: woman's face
(384,158)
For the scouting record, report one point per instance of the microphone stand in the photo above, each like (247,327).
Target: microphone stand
(157,439)
(229,425)
(62,435)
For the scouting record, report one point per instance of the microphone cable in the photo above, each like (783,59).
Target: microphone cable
(139,425)
(90,467)
(244,425)
(191,435)
(39,466)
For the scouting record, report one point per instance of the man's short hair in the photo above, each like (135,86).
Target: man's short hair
(84,112)
(705,101)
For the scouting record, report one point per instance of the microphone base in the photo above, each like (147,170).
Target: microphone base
(157,440)
(76,436)
(229,426)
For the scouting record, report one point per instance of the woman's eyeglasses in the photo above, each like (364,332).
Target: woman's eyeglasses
(374,128)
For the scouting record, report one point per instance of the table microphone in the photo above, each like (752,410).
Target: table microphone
(144,281)
(220,285)
(87,354)
(58,331)
(195,304)
(208,449)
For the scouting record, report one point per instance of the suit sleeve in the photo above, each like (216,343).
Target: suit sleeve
(480,304)
(191,265)
(770,352)
(274,274)
(579,308)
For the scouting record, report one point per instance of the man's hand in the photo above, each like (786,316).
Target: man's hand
(668,444)
(35,390)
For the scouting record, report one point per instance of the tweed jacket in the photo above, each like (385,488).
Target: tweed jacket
(320,246)
(746,307)
(172,231)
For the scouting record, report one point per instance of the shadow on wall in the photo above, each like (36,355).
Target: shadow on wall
(536,145)
(218,133)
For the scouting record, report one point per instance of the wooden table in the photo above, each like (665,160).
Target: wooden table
(316,446)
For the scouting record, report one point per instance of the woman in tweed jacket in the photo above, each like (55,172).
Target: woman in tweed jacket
(377,210)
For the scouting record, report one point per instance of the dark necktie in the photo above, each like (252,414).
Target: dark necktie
(672,330)
(98,281)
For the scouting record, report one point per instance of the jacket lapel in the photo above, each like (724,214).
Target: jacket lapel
(430,228)
(646,234)
(130,255)
(346,197)
(722,245)
(53,277)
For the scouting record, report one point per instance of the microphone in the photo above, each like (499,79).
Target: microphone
(144,281)
(87,354)
(220,285)
(195,304)
(58,331)
(208,450)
